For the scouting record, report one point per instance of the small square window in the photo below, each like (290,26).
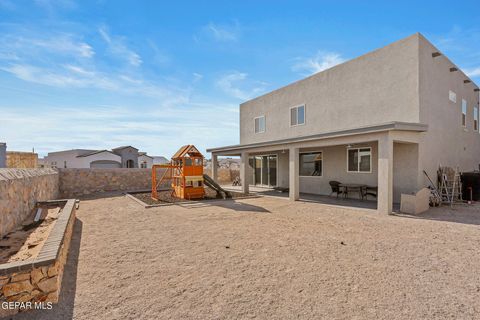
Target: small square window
(260,124)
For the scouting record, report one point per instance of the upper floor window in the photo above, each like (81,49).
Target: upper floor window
(311,164)
(359,159)
(260,124)
(297,115)
(464,112)
(452,96)
(475,118)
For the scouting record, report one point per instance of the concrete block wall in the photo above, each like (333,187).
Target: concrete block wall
(20,190)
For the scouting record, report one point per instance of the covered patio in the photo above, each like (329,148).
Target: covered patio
(340,201)
(384,157)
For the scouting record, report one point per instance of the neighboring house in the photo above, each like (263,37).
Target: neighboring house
(129,156)
(121,157)
(144,160)
(42,163)
(380,119)
(82,158)
(160,160)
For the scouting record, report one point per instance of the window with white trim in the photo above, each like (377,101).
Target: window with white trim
(359,160)
(464,112)
(311,164)
(260,124)
(452,96)
(475,118)
(297,115)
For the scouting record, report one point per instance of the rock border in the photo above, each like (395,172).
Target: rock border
(130,195)
(39,279)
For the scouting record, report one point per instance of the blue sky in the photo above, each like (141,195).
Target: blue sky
(157,75)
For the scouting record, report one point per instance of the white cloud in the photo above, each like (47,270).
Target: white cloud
(119,49)
(111,126)
(159,56)
(221,33)
(57,43)
(236,85)
(321,61)
(197,77)
(475,72)
(72,76)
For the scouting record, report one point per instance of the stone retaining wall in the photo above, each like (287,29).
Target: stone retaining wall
(85,182)
(39,280)
(20,189)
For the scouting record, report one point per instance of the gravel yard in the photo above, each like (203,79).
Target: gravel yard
(268,258)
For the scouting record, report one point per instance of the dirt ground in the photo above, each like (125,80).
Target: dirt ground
(268,258)
(27,240)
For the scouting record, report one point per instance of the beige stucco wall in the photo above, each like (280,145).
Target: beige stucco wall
(379,87)
(335,168)
(405,169)
(405,166)
(446,142)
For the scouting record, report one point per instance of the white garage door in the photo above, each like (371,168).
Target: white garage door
(104,164)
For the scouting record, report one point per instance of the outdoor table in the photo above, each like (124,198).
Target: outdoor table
(354,187)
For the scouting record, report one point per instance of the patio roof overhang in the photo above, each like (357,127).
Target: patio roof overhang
(391,126)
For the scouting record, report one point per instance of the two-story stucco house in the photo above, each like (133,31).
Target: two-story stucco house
(380,120)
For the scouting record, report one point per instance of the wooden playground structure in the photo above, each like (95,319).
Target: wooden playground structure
(185,174)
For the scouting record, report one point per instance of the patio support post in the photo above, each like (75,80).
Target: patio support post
(385,174)
(244,171)
(294,175)
(214,167)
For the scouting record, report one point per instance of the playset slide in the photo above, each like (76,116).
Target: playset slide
(215,186)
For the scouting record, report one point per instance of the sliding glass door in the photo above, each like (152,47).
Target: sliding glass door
(264,170)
